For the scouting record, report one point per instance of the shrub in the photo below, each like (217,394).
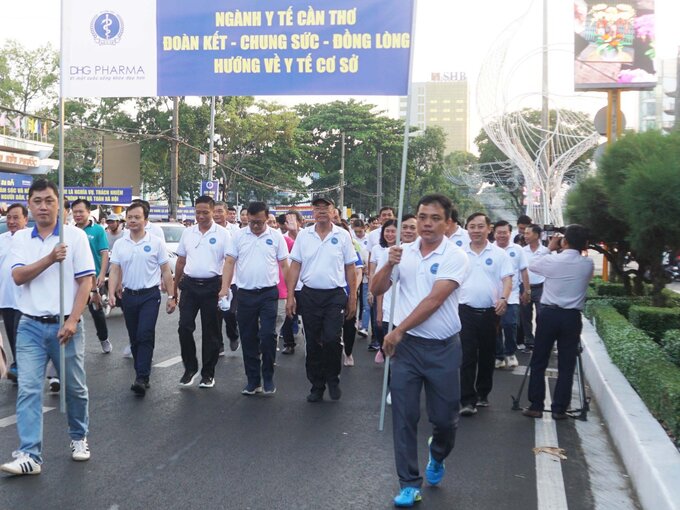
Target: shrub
(654,320)
(622,304)
(610,289)
(671,345)
(643,363)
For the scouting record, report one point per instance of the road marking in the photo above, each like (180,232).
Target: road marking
(549,480)
(11,420)
(169,362)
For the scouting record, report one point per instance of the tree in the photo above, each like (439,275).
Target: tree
(28,78)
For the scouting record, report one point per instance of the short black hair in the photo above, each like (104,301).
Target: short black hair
(454,214)
(231,208)
(205,199)
(387,208)
(24,211)
(388,223)
(577,236)
(536,229)
(524,220)
(358,223)
(83,201)
(67,204)
(408,216)
(257,207)
(437,198)
(281,219)
(475,214)
(42,185)
(141,205)
(502,223)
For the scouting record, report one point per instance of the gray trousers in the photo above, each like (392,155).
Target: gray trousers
(436,365)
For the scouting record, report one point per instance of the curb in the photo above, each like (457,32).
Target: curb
(650,457)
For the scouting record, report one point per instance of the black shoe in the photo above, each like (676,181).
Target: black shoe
(559,416)
(233,344)
(334,391)
(147,385)
(139,387)
(532,413)
(374,346)
(188,378)
(315,396)
(207,382)
(288,349)
(220,353)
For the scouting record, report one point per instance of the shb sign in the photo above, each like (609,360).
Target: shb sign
(128,48)
(210,188)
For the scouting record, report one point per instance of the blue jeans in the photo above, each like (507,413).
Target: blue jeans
(256,317)
(365,307)
(36,344)
(141,313)
(506,341)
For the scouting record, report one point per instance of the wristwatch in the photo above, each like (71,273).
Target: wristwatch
(172,297)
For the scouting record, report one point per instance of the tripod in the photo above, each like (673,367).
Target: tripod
(584,400)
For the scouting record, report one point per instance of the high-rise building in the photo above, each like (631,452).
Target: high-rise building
(443,101)
(658,106)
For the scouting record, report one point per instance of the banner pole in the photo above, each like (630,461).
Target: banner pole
(60,217)
(400,213)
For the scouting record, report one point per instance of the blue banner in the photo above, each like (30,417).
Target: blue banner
(162,212)
(96,196)
(210,188)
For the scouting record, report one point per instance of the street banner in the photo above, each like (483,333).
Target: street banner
(162,212)
(134,48)
(17,191)
(614,45)
(210,188)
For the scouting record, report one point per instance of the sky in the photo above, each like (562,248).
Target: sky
(449,36)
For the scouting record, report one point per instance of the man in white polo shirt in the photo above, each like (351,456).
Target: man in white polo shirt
(36,254)
(457,234)
(138,260)
(425,343)
(483,299)
(323,258)
(534,248)
(258,251)
(198,274)
(220,215)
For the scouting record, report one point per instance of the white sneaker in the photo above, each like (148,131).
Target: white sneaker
(388,400)
(106,346)
(500,363)
(80,451)
(53,384)
(511,361)
(349,361)
(127,352)
(23,464)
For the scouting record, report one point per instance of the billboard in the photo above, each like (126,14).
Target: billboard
(133,48)
(614,44)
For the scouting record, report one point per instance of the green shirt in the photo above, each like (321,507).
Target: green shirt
(96,235)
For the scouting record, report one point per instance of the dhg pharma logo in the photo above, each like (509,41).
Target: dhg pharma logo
(107,28)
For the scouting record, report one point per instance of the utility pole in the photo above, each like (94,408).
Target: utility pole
(211,144)
(379,190)
(341,199)
(545,123)
(174,159)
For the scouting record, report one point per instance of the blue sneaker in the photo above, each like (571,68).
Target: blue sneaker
(407,497)
(434,472)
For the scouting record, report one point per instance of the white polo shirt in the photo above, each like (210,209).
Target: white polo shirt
(460,237)
(519,263)
(373,239)
(416,276)
(140,261)
(323,261)
(9,292)
(535,279)
(154,229)
(377,253)
(233,228)
(258,257)
(387,296)
(40,296)
(204,253)
(484,287)
(566,278)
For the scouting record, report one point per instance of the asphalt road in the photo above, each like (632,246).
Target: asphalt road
(214,448)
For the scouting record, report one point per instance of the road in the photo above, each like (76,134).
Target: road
(214,448)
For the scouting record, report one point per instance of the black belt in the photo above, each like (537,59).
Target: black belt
(139,292)
(536,285)
(479,310)
(202,281)
(555,307)
(45,319)
(258,291)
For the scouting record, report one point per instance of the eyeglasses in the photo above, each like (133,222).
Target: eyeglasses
(257,223)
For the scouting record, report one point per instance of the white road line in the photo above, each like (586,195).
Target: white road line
(169,362)
(11,420)
(549,480)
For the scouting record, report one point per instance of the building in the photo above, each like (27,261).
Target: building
(443,101)
(658,106)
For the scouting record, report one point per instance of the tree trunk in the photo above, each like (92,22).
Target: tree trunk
(658,283)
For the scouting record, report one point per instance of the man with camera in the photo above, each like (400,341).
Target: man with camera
(567,274)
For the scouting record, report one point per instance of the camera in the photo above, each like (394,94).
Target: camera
(549,231)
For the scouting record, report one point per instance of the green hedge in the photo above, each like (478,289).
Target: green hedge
(622,304)
(671,345)
(643,363)
(610,289)
(654,320)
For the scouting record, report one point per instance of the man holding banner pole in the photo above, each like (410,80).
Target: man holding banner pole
(425,343)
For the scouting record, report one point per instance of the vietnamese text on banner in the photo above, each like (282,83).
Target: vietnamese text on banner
(132,48)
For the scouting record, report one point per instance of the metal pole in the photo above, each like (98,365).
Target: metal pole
(379,190)
(341,198)
(174,159)
(400,213)
(545,121)
(211,145)
(61,220)
(676,118)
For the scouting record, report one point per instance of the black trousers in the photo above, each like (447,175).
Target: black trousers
(11,317)
(229,318)
(141,313)
(478,339)
(564,327)
(199,295)
(323,315)
(99,319)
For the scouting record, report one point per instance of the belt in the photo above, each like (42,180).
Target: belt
(536,285)
(258,291)
(202,281)
(555,307)
(45,319)
(479,310)
(139,292)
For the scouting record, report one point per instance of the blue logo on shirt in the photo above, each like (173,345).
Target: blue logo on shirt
(459,242)
(212,240)
(434,268)
(270,242)
(147,248)
(334,240)
(489,262)
(513,254)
